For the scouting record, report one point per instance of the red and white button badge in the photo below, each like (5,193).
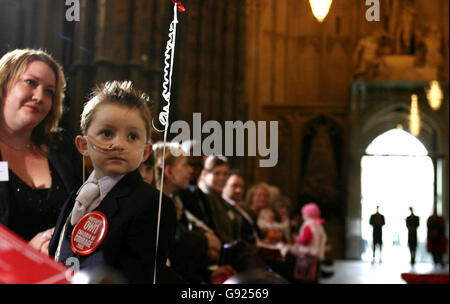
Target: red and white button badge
(89,233)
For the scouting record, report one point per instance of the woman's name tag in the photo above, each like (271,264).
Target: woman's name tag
(89,233)
(4,173)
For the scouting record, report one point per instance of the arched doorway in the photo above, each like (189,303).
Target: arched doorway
(396,173)
(375,108)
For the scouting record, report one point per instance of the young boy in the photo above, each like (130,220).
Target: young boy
(115,124)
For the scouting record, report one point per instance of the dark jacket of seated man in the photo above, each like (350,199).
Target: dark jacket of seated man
(131,209)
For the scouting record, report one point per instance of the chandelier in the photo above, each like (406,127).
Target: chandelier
(434,95)
(320,8)
(414,116)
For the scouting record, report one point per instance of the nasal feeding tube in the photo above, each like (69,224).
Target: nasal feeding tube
(106,147)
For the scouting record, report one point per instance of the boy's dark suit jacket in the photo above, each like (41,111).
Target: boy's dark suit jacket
(131,208)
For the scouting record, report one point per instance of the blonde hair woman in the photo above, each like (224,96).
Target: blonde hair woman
(42,161)
(177,171)
(258,197)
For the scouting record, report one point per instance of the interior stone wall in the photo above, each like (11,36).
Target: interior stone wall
(299,69)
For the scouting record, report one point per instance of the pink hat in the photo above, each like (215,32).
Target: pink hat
(312,211)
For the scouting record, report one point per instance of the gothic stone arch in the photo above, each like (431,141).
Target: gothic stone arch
(376,107)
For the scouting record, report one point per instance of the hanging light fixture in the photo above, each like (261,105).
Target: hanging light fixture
(320,8)
(434,95)
(414,116)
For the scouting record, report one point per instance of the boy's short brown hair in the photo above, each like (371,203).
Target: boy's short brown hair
(116,92)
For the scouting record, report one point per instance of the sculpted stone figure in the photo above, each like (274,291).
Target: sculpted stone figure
(402,25)
(429,51)
(405,32)
(367,56)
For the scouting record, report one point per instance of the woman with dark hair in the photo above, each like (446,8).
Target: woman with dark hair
(43,164)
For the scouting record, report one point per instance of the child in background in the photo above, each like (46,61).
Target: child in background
(312,236)
(269,227)
(310,247)
(196,245)
(146,169)
(115,124)
(282,216)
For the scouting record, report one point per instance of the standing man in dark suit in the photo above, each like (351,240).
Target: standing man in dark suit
(412,222)
(377,222)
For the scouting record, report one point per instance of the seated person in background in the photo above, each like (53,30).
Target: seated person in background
(258,198)
(234,188)
(194,256)
(227,224)
(232,193)
(270,229)
(177,173)
(196,245)
(193,198)
(115,124)
(196,162)
(274,193)
(282,206)
(146,169)
(212,181)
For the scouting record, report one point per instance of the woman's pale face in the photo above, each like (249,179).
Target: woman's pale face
(217,178)
(260,199)
(28,101)
(146,173)
(181,173)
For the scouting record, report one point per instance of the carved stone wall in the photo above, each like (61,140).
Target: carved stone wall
(117,39)
(299,69)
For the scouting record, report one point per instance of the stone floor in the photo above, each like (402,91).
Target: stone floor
(363,272)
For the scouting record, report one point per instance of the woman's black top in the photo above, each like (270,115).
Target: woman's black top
(34,210)
(28,211)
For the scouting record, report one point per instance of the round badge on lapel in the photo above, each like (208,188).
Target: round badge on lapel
(89,233)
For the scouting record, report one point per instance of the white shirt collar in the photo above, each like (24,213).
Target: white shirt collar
(229,200)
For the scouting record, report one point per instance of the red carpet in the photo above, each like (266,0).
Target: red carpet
(417,278)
